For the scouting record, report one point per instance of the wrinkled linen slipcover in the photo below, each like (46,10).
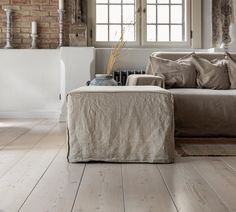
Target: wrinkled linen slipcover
(204,112)
(145,79)
(211,74)
(178,74)
(120,124)
(177,55)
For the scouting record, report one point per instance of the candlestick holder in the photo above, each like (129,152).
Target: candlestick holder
(61,27)
(9,29)
(226,47)
(34,44)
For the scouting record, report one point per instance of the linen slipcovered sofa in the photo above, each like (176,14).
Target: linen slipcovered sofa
(200,111)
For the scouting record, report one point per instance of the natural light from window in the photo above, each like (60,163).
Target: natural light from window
(143,22)
(113,16)
(165,20)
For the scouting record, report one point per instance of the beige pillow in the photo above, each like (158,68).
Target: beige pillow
(211,74)
(231,64)
(177,74)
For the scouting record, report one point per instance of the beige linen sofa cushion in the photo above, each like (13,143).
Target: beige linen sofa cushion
(178,74)
(145,80)
(231,64)
(204,112)
(211,74)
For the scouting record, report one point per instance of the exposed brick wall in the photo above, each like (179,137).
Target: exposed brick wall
(26,11)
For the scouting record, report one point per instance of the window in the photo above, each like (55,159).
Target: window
(113,16)
(161,23)
(165,20)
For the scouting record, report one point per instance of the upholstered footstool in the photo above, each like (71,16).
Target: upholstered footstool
(145,79)
(120,124)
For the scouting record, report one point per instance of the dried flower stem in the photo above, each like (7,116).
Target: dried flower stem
(115,53)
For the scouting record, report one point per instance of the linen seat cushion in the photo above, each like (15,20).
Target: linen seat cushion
(204,112)
(211,74)
(178,74)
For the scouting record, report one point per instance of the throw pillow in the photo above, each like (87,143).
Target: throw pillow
(177,74)
(211,74)
(231,64)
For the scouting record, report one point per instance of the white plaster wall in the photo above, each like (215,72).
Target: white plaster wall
(130,59)
(77,67)
(206,24)
(29,83)
(135,58)
(32,80)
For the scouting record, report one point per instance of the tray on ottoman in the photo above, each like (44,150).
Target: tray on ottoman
(120,124)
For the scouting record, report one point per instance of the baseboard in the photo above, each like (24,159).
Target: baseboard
(30,115)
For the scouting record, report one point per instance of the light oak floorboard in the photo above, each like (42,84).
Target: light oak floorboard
(58,187)
(100,189)
(11,154)
(7,125)
(35,176)
(145,190)
(11,130)
(17,184)
(190,192)
(220,177)
(230,161)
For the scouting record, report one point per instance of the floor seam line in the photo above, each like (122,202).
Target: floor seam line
(2,148)
(41,177)
(228,165)
(159,171)
(38,141)
(77,192)
(224,203)
(123,191)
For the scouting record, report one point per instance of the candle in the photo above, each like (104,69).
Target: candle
(34,28)
(61,4)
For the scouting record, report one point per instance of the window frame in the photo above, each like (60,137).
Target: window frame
(100,44)
(193,28)
(167,44)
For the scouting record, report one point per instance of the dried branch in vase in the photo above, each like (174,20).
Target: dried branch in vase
(115,53)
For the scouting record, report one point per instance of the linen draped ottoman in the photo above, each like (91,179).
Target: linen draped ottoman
(120,124)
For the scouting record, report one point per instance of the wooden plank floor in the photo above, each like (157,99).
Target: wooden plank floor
(36,177)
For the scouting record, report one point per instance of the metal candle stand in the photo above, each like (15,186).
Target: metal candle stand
(34,44)
(9,28)
(61,27)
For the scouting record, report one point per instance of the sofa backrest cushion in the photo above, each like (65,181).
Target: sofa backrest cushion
(206,55)
(178,74)
(177,55)
(211,74)
(231,64)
